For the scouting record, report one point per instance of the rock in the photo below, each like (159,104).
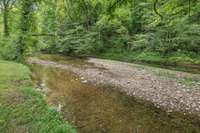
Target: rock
(59,108)
(84,81)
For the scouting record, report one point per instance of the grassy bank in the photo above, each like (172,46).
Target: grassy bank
(22,109)
(179,60)
(152,57)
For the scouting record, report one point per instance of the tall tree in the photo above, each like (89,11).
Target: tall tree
(5,6)
(27,25)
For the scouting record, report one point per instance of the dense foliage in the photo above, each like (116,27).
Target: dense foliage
(101,27)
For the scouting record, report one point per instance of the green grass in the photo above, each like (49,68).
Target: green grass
(151,57)
(22,109)
(190,81)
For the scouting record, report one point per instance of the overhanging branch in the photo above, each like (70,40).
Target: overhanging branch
(156,10)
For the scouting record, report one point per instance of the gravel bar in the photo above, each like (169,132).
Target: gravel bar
(168,89)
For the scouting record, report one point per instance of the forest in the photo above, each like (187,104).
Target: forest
(99,66)
(154,31)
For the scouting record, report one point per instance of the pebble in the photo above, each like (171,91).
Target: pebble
(84,81)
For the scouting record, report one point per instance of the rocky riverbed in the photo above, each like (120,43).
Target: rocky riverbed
(167,89)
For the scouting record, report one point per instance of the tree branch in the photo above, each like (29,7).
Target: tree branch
(114,4)
(156,10)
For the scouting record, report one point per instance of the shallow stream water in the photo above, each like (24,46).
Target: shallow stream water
(103,109)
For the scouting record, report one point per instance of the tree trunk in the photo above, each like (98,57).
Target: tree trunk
(5,21)
(189,8)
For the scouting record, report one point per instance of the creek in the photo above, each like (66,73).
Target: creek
(103,109)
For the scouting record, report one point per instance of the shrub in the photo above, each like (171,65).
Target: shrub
(8,48)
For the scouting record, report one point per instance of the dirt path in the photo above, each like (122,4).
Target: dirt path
(172,90)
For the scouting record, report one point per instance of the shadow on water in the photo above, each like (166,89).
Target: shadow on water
(95,109)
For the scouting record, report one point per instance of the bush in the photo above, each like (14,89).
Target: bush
(150,57)
(140,42)
(179,37)
(8,48)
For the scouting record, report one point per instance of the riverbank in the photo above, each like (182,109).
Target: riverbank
(23,109)
(170,90)
(175,61)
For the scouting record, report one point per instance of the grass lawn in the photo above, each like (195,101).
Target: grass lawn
(22,109)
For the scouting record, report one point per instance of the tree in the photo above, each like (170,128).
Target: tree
(27,26)
(5,6)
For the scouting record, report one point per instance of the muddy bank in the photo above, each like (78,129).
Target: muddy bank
(171,90)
